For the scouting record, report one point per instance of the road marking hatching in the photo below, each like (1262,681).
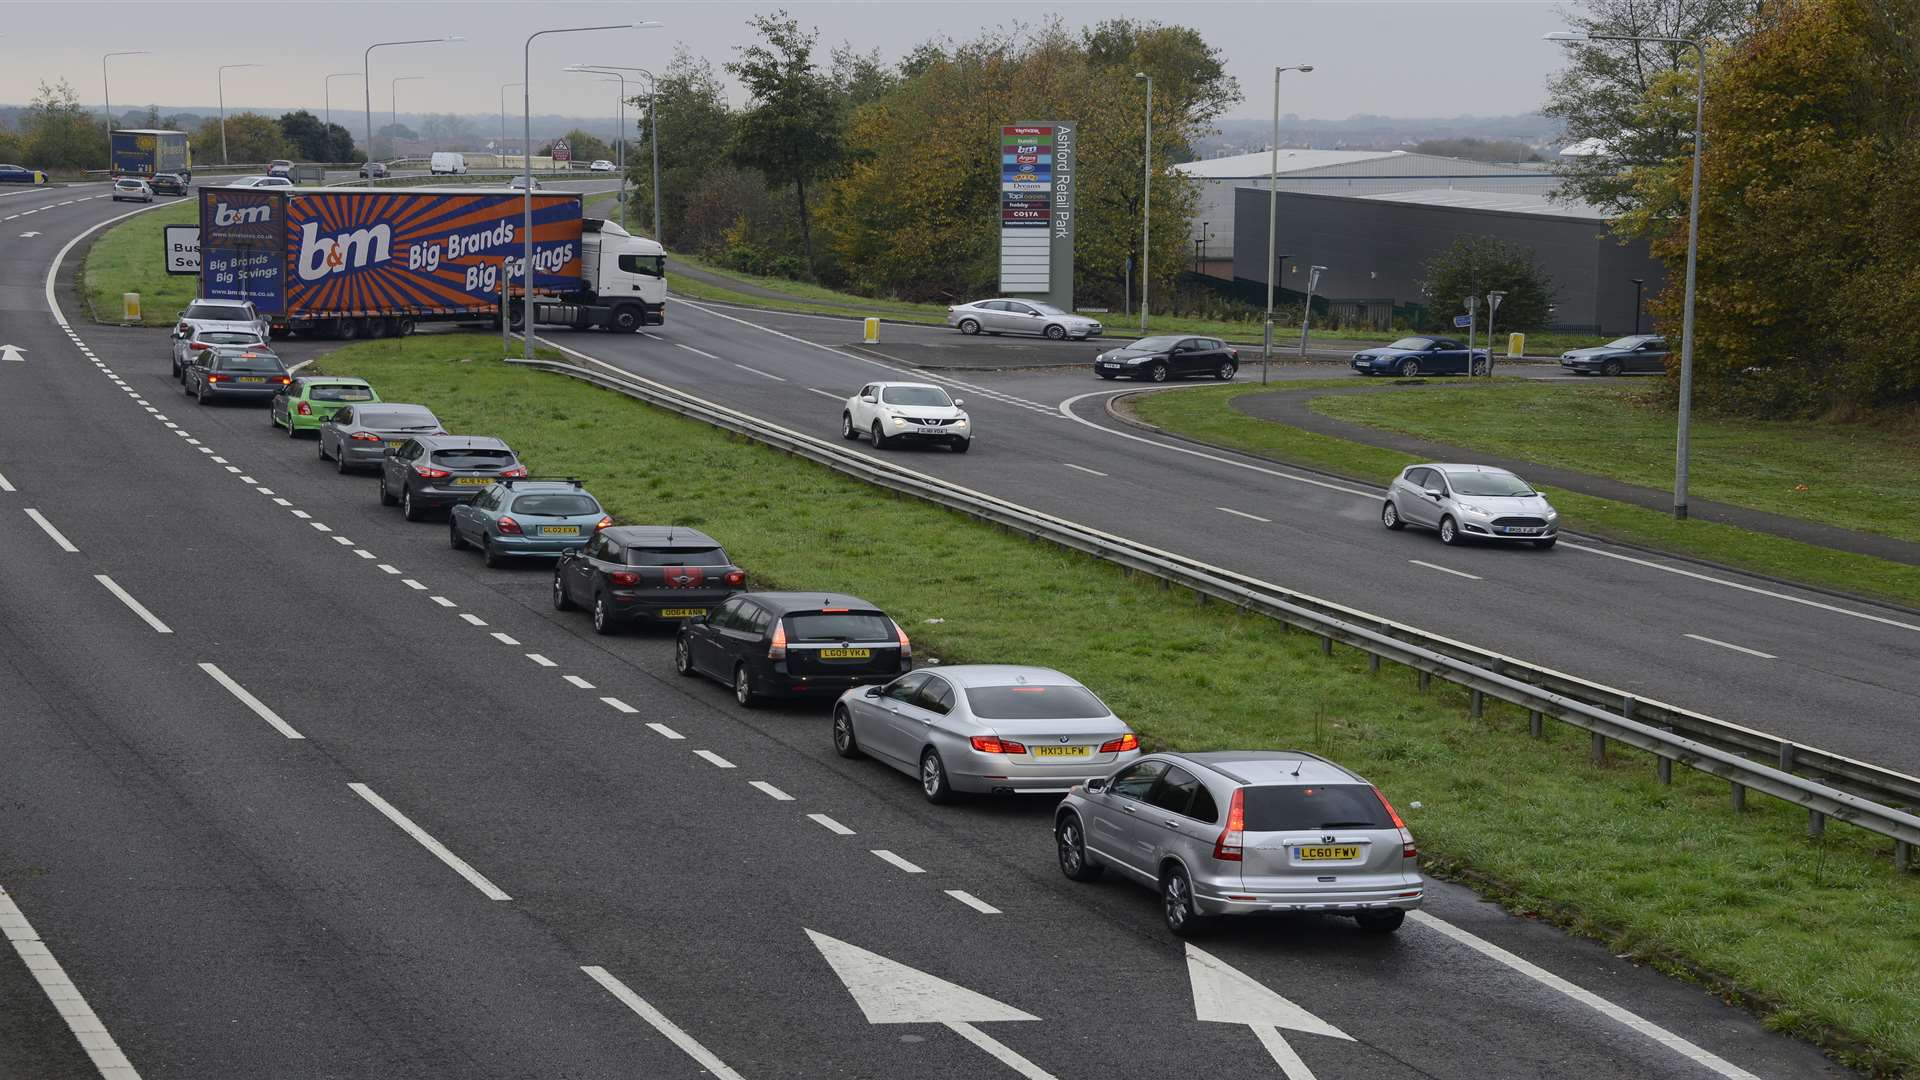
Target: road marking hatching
(1735,648)
(251,702)
(66,997)
(439,850)
(1446,570)
(687,1043)
(830,825)
(47,527)
(137,608)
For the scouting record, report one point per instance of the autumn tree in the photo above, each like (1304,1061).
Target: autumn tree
(689,105)
(60,133)
(251,139)
(1477,265)
(791,130)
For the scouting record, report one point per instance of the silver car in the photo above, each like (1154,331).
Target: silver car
(132,189)
(1237,832)
(1021,317)
(205,336)
(357,436)
(1463,502)
(984,729)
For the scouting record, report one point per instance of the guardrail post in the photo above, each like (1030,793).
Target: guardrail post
(1739,797)
(1626,706)
(1476,703)
(1599,748)
(1536,724)
(1786,756)
(1816,823)
(1425,678)
(1326,645)
(1902,854)
(1665,769)
(1373,663)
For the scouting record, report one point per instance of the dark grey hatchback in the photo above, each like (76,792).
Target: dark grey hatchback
(787,644)
(634,572)
(434,471)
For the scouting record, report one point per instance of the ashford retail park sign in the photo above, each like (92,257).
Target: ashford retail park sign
(1037,166)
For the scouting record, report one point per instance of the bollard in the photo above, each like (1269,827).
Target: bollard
(873,331)
(1536,724)
(1816,823)
(1599,749)
(1739,798)
(130,307)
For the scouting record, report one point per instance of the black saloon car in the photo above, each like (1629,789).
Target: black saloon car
(786,644)
(168,183)
(234,371)
(1169,356)
(632,572)
(1641,353)
(433,471)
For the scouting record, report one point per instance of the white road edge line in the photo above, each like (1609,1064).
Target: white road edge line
(1735,648)
(973,901)
(1446,570)
(687,1044)
(713,759)
(47,527)
(251,702)
(138,609)
(1585,997)
(891,859)
(458,865)
(830,825)
(757,371)
(66,998)
(1243,513)
(769,791)
(1083,468)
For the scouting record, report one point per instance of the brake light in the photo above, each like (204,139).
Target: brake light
(304,409)
(624,577)
(198,346)
(212,378)
(358,436)
(989,744)
(284,380)
(736,577)
(516,471)
(1121,745)
(510,527)
(603,523)
(833,611)
(1227,847)
(779,649)
(1407,850)
(906,647)
(182,328)
(429,472)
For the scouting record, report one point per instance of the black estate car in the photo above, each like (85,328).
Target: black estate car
(791,644)
(633,572)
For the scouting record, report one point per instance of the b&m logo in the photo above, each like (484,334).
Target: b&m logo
(338,254)
(245,215)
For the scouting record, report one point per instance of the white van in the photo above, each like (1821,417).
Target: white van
(447,164)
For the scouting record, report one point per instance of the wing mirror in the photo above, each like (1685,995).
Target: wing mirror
(958,402)
(1433,493)
(1096,785)
(872,691)
(870,399)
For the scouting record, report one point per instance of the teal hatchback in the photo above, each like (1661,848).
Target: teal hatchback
(526,517)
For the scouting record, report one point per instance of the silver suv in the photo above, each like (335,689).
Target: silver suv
(1241,831)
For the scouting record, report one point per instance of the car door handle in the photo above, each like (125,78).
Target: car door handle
(1171,824)
(1128,809)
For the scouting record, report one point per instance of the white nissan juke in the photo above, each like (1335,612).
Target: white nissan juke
(894,412)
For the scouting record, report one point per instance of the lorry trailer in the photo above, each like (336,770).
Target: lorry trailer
(142,152)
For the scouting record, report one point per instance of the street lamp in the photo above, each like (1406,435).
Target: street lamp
(1639,285)
(1146,198)
(503,121)
(1306,313)
(329,91)
(1493,306)
(1273,201)
(653,134)
(108,92)
(393,99)
(1693,244)
(220,85)
(621,148)
(526,120)
(366,59)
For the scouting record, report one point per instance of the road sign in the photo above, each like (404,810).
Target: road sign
(182,249)
(1038,161)
(561,151)
(1461,322)
(1223,995)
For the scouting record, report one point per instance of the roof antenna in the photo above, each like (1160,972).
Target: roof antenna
(1298,764)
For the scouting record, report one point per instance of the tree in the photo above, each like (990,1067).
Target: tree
(60,133)
(1603,93)
(693,118)
(584,146)
(791,132)
(1476,265)
(314,140)
(1190,74)
(252,138)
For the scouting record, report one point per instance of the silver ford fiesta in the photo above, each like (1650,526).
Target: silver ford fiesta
(985,729)
(1470,502)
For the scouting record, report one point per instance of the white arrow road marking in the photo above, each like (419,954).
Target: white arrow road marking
(890,992)
(1223,995)
(28,235)
(12,352)
(664,1026)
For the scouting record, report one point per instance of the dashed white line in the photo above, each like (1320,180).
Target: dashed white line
(473,619)
(341,540)
(4,485)
(459,865)
(278,501)
(973,901)
(824,393)
(235,469)
(770,791)
(412,584)
(388,568)
(320,527)
(1244,514)
(364,553)
(1083,468)
(762,374)
(261,490)
(202,449)
(698,352)
(578,681)
(216,460)
(687,1044)
(830,825)
(541,660)
(301,514)
(66,997)
(1446,570)
(713,759)
(251,702)
(666,732)
(1735,648)
(138,608)
(891,859)
(47,527)
(443,601)
(618,706)
(504,639)
(651,334)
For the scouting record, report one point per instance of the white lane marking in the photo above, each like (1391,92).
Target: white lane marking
(4,485)
(504,639)
(713,759)
(364,553)
(301,514)
(1735,648)
(216,460)
(770,791)
(47,527)
(389,568)
(1445,570)
(443,601)
(973,901)
(341,540)
(1746,588)
(296,367)
(168,423)
(1083,468)
(666,732)
(320,527)
(159,416)
(617,705)
(475,620)
(541,660)
(278,501)
(1585,997)
(412,584)
(235,469)
(823,393)
(699,352)
(687,1044)
(651,334)
(762,374)
(138,608)
(1244,514)
(202,449)
(891,859)
(458,865)
(578,681)
(66,997)
(256,484)
(259,708)
(830,825)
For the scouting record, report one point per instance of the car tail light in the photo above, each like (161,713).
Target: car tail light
(1227,847)
(182,329)
(1407,850)
(198,346)
(304,409)
(1234,353)
(736,578)
(603,523)
(1121,745)
(429,472)
(360,436)
(510,527)
(906,646)
(516,471)
(990,744)
(624,577)
(212,378)
(779,649)
(284,380)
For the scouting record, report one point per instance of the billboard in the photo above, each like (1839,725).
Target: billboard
(242,231)
(1037,160)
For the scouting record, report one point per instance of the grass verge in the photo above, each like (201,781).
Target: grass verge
(1205,413)
(127,258)
(1821,936)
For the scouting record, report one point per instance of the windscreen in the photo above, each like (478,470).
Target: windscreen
(656,556)
(218,313)
(1492,484)
(393,419)
(1033,703)
(560,504)
(839,626)
(1279,808)
(1412,343)
(340,393)
(1153,344)
(473,457)
(931,396)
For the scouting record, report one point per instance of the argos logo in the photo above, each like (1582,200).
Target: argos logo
(246,215)
(347,251)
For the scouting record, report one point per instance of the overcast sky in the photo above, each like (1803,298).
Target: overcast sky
(1395,57)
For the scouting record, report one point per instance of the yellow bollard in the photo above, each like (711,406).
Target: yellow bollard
(873,331)
(1516,345)
(130,307)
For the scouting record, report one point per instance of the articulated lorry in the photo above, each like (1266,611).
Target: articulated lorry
(142,152)
(356,262)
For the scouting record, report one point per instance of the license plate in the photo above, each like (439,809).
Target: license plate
(1517,531)
(1061,751)
(394,444)
(846,654)
(472,481)
(249,378)
(682,612)
(559,530)
(1326,854)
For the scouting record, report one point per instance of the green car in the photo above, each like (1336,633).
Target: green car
(313,398)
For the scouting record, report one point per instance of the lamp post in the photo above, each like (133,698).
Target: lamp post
(1273,202)
(107,91)
(329,91)
(1306,313)
(527,276)
(653,134)
(1146,198)
(220,86)
(366,60)
(1493,306)
(503,121)
(1693,245)
(1639,285)
(1200,248)
(393,99)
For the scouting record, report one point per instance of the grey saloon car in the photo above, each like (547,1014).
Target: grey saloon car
(252,373)
(1020,317)
(1462,502)
(1238,832)
(429,472)
(358,436)
(984,729)
(1637,353)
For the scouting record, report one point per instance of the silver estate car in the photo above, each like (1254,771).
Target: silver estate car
(984,729)
(1463,502)
(358,436)
(1237,832)
(1021,317)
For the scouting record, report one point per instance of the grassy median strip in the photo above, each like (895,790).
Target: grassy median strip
(1206,413)
(1823,935)
(128,258)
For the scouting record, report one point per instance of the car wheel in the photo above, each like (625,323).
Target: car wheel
(961,446)
(407,509)
(1482,366)
(1611,367)
(933,777)
(1071,843)
(879,440)
(1107,374)
(561,601)
(1156,372)
(969,327)
(1546,544)
(602,617)
(1056,333)
(844,742)
(292,432)
(1409,368)
(454,539)
(743,688)
(1176,902)
(385,498)
(1381,922)
(1226,372)
(1390,516)
(846,427)
(1449,532)
(490,556)
(340,464)
(683,655)
(321,449)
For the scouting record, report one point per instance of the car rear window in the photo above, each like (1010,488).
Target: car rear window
(665,556)
(557,505)
(228,337)
(254,365)
(839,626)
(397,418)
(1033,703)
(218,312)
(473,457)
(340,393)
(1277,808)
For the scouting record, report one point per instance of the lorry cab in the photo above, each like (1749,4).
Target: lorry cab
(621,266)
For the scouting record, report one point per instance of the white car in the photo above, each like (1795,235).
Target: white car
(132,189)
(258,182)
(224,314)
(896,412)
(519,183)
(602,165)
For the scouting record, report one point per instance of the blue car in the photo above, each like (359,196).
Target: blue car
(530,517)
(1411,356)
(18,174)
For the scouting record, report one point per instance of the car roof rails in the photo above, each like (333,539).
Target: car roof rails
(512,480)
